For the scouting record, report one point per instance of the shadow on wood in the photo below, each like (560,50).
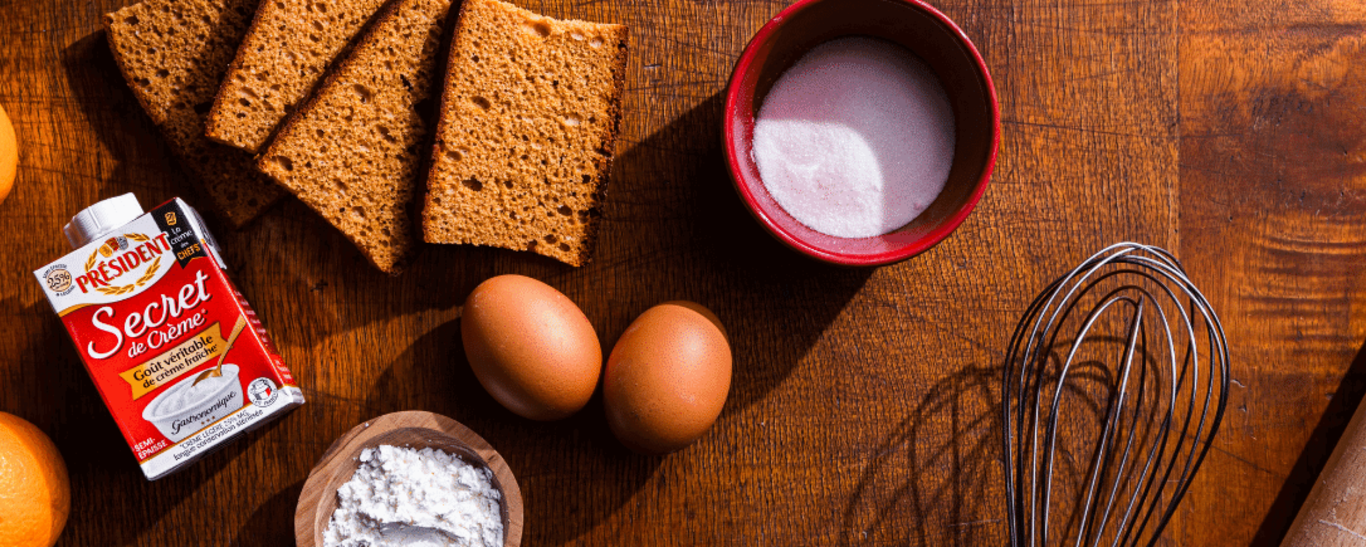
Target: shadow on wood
(272,523)
(939,470)
(1316,453)
(937,479)
(143,160)
(675,228)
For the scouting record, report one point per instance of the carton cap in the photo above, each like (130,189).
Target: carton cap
(101,218)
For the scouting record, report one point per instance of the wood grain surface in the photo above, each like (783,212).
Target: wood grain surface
(864,402)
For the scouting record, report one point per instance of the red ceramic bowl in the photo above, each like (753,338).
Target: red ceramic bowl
(931,36)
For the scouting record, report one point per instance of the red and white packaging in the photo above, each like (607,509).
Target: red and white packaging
(147,301)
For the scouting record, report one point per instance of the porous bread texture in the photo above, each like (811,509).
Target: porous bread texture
(351,152)
(529,113)
(283,56)
(173,54)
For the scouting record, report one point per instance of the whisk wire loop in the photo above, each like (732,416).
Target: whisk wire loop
(1159,407)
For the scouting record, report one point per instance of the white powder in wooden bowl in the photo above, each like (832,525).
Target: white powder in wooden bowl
(416,498)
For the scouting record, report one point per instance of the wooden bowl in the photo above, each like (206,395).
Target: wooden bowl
(928,34)
(413,429)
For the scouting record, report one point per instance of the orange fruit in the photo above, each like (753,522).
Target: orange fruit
(9,155)
(35,496)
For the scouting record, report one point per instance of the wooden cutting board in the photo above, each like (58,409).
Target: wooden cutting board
(864,403)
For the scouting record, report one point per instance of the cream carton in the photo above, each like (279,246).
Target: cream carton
(176,352)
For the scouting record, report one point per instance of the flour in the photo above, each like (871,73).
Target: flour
(416,498)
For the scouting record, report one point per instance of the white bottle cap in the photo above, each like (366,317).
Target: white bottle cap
(101,218)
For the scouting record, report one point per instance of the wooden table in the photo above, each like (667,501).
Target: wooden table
(863,409)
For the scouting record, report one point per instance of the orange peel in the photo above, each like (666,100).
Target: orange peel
(35,492)
(9,155)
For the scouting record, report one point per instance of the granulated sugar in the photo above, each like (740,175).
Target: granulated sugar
(416,498)
(856,139)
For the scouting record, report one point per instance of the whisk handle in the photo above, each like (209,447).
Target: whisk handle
(1335,512)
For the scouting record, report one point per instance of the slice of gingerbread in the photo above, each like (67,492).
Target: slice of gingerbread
(529,113)
(352,151)
(283,56)
(173,54)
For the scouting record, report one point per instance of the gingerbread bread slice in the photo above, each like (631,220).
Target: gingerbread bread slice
(351,152)
(283,56)
(529,113)
(173,54)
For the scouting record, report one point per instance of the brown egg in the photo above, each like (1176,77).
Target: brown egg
(667,378)
(530,347)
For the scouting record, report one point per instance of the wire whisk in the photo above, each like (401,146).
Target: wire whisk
(1115,383)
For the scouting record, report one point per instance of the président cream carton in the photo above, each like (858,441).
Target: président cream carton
(176,352)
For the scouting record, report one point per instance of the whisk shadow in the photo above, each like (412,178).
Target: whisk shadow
(940,467)
(1091,399)
(1138,411)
